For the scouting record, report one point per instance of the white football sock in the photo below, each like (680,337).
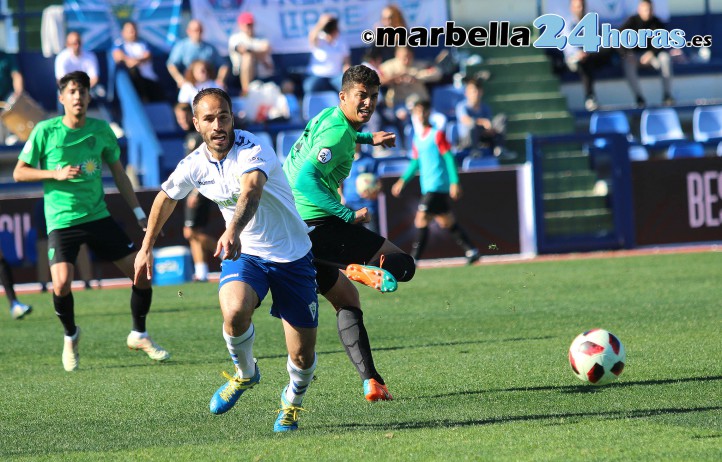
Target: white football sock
(201,270)
(300,380)
(241,350)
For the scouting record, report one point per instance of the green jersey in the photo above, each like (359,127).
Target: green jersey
(52,146)
(319,161)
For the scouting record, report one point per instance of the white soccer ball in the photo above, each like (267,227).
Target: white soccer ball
(597,357)
(367,185)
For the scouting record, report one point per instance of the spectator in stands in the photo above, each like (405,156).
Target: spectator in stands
(73,58)
(198,76)
(11,83)
(391,16)
(330,56)
(656,58)
(17,309)
(134,55)
(433,158)
(193,48)
(406,78)
(250,55)
(478,127)
(582,62)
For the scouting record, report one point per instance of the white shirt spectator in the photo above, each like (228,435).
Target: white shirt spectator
(327,59)
(67,62)
(188,90)
(137,50)
(254,44)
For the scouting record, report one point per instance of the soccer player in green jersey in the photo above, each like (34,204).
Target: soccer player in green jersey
(319,161)
(66,153)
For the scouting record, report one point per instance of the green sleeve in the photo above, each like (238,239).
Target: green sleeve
(33,147)
(410,170)
(451,167)
(365,138)
(309,181)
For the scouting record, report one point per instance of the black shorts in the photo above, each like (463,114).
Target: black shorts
(105,238)
(435,203)
(197,217)
(340,243)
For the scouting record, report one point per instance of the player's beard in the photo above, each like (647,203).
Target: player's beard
(218,146)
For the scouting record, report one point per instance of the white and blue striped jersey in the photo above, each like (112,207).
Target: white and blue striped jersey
(276,232)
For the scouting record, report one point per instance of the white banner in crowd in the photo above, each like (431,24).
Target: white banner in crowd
(99,21)
(613,12)
(286,23)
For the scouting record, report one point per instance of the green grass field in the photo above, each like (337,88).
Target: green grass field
(476,358)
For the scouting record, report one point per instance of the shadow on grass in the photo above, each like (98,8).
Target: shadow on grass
(579,388)
(631,414)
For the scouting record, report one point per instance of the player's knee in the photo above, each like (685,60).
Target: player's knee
(303,359)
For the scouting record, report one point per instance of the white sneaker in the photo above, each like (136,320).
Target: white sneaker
(154,351)
(70,352)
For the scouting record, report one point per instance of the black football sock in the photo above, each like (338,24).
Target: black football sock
(400,265)
(461,238)
(355,340)
(140,306)
(6,277)
(65,309)
(417,248)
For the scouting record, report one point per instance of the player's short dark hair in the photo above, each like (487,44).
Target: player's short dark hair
(331,26)
(424,103)
(80,78)
(646,1)
(478,83)
(359,74)
(217,92)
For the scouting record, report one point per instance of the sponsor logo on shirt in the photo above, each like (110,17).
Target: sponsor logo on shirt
(324,155)
(203,183)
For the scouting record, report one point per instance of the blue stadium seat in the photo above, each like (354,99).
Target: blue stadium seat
(637,152)
(162,118)
(444,100)
(237,104)
(392,167)
(452,133)
(284,142)
(609,122)
(659,126)
(684,149)
(707,123)
(173,150)
(7,244)
(315,102)
(473,162)
(266,137)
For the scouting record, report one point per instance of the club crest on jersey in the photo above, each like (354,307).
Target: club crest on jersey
(324,155)
(313,308)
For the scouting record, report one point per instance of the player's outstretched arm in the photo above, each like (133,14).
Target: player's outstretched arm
(229,243)
(162,207)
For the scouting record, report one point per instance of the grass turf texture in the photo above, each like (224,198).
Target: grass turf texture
(475,357)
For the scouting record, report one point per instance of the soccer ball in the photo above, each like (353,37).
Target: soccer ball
(597,357)
(367,186)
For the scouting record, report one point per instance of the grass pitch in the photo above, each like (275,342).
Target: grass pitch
(475,358)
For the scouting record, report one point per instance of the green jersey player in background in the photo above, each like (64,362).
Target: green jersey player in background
(319,161)
(66,154)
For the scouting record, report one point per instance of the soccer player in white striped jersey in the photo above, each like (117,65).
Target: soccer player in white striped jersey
(265,246)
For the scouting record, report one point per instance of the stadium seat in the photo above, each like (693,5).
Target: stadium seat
(660,126)
(452,133)
(285,141)
(265,137)
(173,150)
(707,123)
(237,104)
(162,118)
(719,149)
(444,100)
(609,122)
(315,102)
(392,167)
(474,162)
(684,149)
(637,152)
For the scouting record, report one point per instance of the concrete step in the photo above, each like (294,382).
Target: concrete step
(593,221)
